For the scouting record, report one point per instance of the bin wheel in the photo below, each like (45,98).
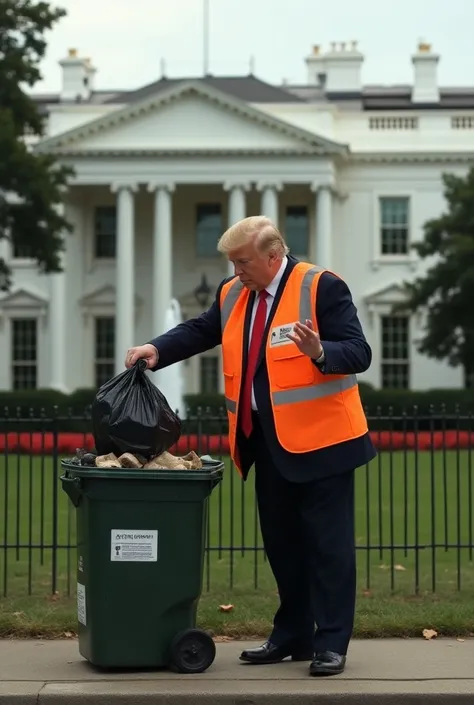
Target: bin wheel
(192,651)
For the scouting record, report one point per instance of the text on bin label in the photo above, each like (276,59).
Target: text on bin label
(135,546)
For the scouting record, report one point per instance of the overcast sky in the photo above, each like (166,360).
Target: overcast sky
(127,39)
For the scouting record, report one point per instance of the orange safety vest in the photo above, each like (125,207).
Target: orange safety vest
(310,410)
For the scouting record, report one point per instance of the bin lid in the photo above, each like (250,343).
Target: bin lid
(211,469)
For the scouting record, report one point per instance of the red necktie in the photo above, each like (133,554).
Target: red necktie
(258,330)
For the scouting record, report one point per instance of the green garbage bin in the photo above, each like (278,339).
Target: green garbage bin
(140,556)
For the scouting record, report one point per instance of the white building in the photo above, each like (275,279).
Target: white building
(350,173)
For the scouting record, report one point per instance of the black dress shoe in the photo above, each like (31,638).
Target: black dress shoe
(327,663)
(269,653)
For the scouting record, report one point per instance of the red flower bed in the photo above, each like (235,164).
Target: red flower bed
(423,440)
(39,443)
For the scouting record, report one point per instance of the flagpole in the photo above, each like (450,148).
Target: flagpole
(206,36)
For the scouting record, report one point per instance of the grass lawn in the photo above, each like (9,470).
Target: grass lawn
(420,504)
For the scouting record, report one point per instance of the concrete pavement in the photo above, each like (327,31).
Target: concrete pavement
(411,671)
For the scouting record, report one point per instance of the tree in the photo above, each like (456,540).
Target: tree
(31,185)
(446,290)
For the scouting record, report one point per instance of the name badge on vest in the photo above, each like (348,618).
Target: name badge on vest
(279,335)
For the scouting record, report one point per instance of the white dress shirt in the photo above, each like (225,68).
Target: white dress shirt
(271,290)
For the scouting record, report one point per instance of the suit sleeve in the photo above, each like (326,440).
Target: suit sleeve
(190,337)
(345,346)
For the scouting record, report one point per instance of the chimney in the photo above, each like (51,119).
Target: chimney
(77,78)
(344,68)
(425,80)
(316,66)
(338,70)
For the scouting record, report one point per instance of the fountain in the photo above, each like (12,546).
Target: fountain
(170,381)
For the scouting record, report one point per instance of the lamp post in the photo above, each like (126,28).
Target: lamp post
(203,292)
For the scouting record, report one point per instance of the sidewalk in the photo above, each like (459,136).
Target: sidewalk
(428,672)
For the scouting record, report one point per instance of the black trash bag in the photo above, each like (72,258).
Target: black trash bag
(130,415)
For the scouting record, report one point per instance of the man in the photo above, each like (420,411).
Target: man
(291,345)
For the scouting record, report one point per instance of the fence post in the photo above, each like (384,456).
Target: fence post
(54,567)
(5,504)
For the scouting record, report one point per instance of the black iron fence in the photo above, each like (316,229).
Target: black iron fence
(414,505)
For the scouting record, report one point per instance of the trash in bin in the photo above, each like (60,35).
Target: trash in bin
(131,415)
(164,461)
(141,536)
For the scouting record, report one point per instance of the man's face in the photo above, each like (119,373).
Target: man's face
(255,269)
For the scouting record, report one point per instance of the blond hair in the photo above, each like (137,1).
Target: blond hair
(256,228)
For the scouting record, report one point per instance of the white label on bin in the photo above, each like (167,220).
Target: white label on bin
(133,545)
(81,604)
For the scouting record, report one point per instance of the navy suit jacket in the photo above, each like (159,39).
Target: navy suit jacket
(347,352)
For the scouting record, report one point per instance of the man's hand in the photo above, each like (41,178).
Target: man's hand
(143,352)
(306,339)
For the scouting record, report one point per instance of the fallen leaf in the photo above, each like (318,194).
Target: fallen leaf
(18,614)
(226,608)
(221,639)
(399,567)
(68,635)
(367,593)
(430,634)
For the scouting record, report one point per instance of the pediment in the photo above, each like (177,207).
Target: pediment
(189,118)
(24,297)
(391,293)
(103,297)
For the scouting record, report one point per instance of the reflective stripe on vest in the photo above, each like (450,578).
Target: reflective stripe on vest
(307,393)
(305,297)
(230,405)
(230,301)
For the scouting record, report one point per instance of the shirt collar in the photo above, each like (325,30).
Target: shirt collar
(273,286)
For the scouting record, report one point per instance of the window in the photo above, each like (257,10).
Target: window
(104,350)
(395,352)
(22,251)
(208,228)
(105,226)
(209,369)
(297,229)
(24,353)
(394,226)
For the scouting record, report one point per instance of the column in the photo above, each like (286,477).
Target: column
(269,206)
(237,208)
(58,322)
(323,235)
(125,274)
(162,255)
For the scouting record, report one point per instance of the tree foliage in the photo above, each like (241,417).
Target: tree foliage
(446,290)
(31,185)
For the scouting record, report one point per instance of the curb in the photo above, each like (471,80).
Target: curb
(342,692)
